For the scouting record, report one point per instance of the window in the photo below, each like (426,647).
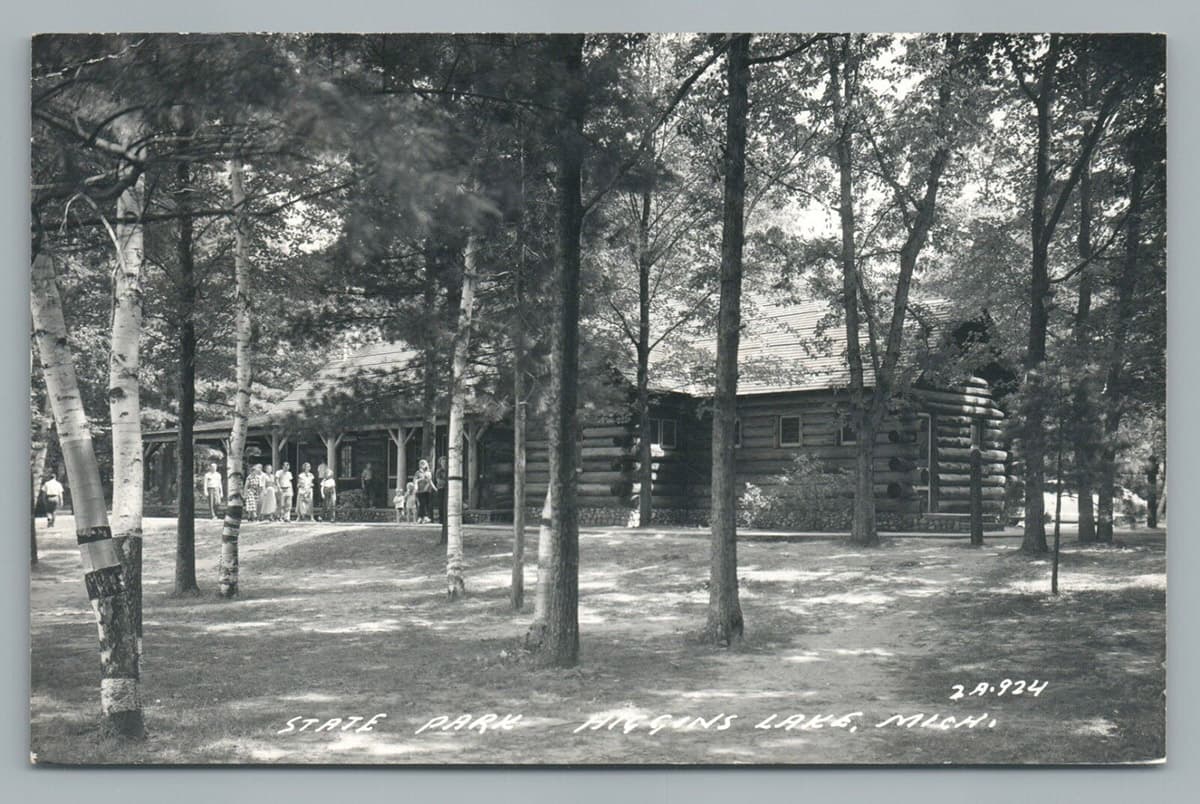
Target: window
(737,433)
(789,431)
(847,435)
(977,433)
(663,433)
(346,461)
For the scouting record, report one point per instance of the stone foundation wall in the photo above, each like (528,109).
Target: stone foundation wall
(614,517)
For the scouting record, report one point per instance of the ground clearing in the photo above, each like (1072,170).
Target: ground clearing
(340,621)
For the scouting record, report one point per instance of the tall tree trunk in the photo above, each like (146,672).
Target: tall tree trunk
(560,644)
(1114,391)
(862,528)
(227,578)
(517,590)
(124,396)
(724,624)
(103,570)
(1034,539)
(1087,438)
(645,455)
(455,585)
(429,365)
(185,524)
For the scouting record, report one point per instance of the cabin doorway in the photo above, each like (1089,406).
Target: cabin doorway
(925,486)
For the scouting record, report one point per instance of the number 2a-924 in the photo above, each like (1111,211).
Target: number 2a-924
(1006,687)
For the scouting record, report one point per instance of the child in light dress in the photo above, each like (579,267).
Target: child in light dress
(410,503)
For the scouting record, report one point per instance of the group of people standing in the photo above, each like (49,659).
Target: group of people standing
(268,495)
(415,503)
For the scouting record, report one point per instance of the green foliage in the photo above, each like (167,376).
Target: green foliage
(808,496)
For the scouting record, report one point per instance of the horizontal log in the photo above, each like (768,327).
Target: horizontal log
(609,431)
(990,413)
(604,452)
(988,455)
(976,398)
(963,468)
(945,480)
(964,493)
(959,441)
(583,489)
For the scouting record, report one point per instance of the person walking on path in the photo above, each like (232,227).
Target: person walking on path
(425,489)
(329,495)
(52,493)
(441,480)
(304,493)
(283,479)
(214,489)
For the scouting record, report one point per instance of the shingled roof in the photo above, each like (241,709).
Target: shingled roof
(783,348)
(387,363)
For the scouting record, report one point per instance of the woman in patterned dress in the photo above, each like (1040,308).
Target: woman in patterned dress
(250,495)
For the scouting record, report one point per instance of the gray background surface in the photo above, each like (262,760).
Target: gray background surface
(1177,781)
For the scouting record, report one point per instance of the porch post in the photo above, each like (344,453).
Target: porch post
(397,438)
(474,434)
(331,443)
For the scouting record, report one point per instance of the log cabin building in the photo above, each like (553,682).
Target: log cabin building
(793,400)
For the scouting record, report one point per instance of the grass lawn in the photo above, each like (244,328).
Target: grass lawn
(342,621)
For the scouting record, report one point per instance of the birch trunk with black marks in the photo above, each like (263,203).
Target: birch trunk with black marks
(124,396)
(455,584)
(43,422)
(103,568)
(545,568)
(724,624)
(560,641)
(227,576)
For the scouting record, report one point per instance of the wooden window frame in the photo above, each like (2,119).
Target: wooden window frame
(799,442)
(841,436)
(656,439)
(345,456)
(977,427)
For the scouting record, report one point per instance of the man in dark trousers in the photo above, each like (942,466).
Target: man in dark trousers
(440,477)
(368,486)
